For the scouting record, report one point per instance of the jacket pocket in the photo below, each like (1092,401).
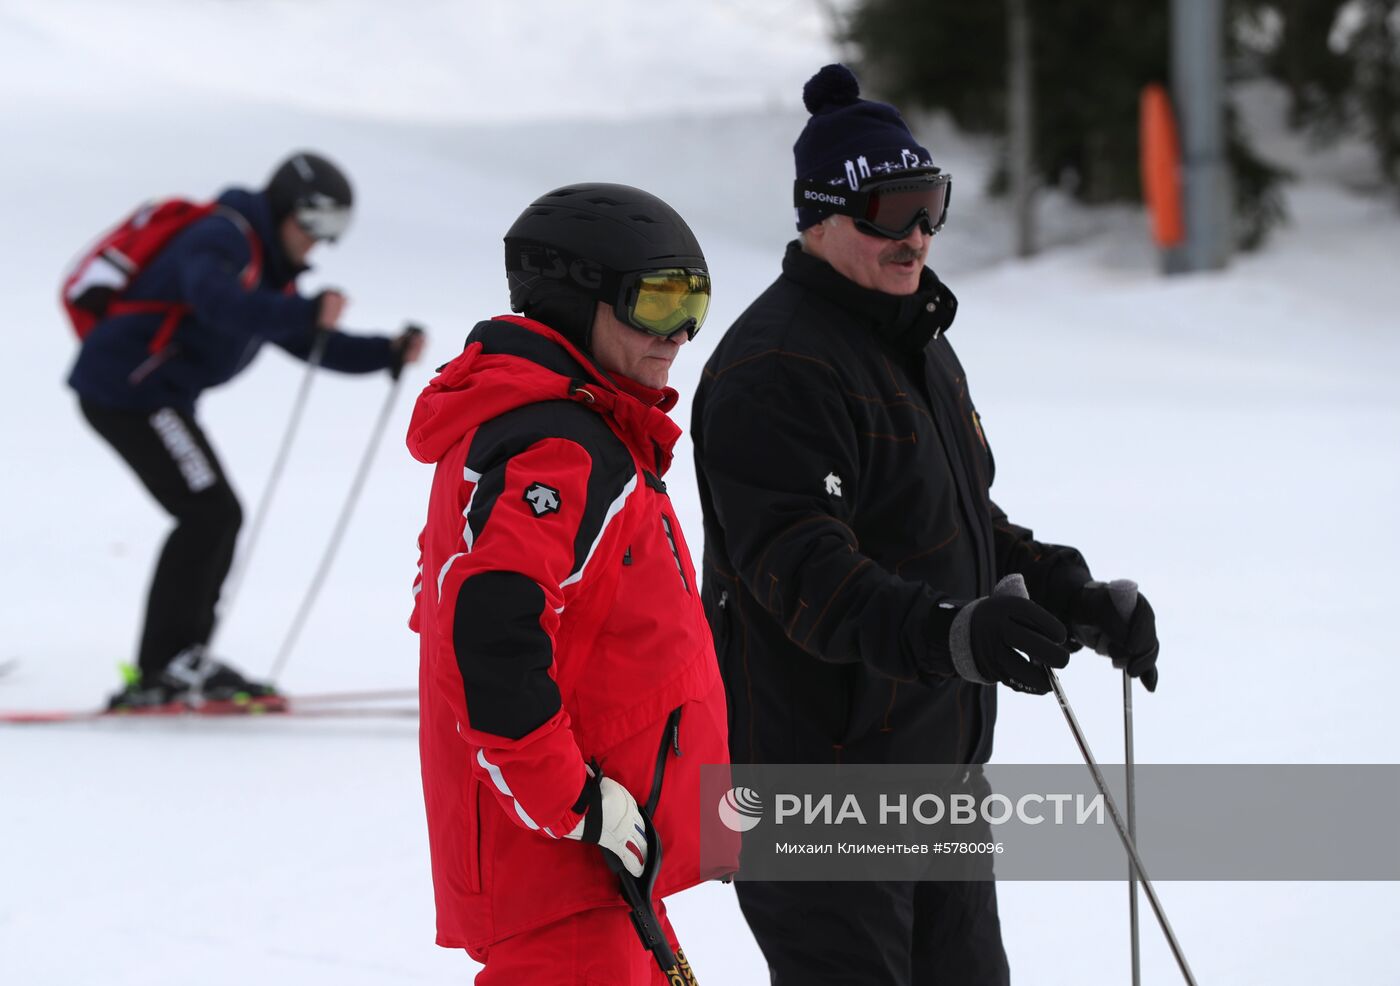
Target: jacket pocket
(717,595)
(473,840)
(853,688)
(670,742)
(669,527)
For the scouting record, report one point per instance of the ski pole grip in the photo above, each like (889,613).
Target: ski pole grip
(318,345)
(1124,593)
(637,892)
(410,332)
(1011,585)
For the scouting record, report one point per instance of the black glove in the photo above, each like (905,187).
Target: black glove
(1006,638)
(1117,621)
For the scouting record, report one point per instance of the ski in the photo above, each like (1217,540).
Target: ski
(294,710)
(380,695)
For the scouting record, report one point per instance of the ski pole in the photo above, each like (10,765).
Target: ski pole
(1016,585)
(279,464)
(1127,840)
(637,892)
(1124,593)
(343,521)
(1132,824)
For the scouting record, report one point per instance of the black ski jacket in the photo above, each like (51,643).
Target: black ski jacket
(844,478)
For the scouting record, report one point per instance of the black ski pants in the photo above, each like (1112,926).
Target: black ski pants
(877,934)
(172,457)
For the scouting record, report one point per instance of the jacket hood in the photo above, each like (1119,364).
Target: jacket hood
(509,362)
(278,269)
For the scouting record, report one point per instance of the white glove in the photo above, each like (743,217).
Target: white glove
(613,821)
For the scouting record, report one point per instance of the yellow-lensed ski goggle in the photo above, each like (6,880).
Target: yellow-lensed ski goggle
(665,301)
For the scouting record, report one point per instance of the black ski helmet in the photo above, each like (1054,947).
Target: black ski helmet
(570,248)
(310,186)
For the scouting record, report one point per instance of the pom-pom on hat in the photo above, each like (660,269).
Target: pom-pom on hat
(849,140)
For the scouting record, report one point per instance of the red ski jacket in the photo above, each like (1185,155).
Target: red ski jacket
(559,622)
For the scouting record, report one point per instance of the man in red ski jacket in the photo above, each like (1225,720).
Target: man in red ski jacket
(568,675)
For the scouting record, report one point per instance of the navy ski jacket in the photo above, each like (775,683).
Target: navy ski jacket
(227,326)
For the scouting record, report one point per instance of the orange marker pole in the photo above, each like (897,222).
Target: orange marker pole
(1160,154)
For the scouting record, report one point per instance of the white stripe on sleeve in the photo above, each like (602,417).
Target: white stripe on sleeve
(498,779)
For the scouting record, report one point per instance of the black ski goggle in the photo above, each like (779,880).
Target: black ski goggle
(665,301)
(887,207)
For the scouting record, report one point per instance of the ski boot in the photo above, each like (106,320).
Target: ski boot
(195,682)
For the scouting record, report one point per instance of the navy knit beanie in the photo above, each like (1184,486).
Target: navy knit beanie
(849,139)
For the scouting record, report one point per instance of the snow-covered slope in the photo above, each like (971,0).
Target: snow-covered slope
(1228,440)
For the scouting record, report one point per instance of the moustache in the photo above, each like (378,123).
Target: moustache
(902,255)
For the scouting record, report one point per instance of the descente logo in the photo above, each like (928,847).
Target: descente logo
(826,197)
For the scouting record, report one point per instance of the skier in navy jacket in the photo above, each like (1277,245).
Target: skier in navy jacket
(140,372)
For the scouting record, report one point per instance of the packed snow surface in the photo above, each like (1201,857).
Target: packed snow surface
(1228,440)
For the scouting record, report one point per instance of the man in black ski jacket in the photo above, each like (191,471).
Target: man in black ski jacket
(852,546)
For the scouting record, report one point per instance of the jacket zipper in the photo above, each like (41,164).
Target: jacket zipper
(675,552)
(943,408)
(670,740)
